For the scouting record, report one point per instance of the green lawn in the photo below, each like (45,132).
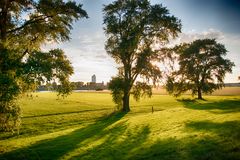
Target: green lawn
(83,126)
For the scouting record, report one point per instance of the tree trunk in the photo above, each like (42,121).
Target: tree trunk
(199,93)
(126,97)
(3,21)
(127,86)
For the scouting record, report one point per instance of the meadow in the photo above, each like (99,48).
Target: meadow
(87,126)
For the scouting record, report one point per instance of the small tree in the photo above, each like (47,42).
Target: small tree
(202,68)
(24,26)
(132,28)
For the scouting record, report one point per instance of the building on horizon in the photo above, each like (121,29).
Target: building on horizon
(94,80)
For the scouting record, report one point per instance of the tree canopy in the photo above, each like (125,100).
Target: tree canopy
(202,68)
(133,28)
(25,25)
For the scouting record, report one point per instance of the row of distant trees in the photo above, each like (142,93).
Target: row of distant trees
(74,85)
(137,33)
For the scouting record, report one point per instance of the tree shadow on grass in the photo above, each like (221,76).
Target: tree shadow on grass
(226,141)
(108,138)
(117,146)
(221,106)
(66,113)
(231,128)
(112,138)
(57,147)
(222,143)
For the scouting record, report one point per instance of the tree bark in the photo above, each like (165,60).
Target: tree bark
(199,93)
(127,87)
(3,21)
(126,98)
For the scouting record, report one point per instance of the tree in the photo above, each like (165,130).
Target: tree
(202,68)
(25,25)
(133,27)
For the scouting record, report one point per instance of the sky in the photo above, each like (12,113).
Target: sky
(219,19)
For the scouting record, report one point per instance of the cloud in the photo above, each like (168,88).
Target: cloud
(85,46)
(225,38)
(187,37)
(88,56)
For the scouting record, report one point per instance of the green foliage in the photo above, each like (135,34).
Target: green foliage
(133,28)
(176,88)
(25,26)
(140,90)
(202,68)
(42,67)
(116,85)
(10,114)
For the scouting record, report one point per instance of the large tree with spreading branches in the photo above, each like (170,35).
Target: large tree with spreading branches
(202,68)
(133,28)
(25,25)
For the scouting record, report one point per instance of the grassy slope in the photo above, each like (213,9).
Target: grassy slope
(82,127)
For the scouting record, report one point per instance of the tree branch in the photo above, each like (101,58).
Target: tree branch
(26,51)
(29,22)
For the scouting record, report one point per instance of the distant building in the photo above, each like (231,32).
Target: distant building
(94,78)
(77,85)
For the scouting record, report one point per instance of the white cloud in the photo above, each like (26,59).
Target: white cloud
(88,56)
(192,35)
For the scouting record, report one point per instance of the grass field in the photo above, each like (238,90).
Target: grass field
(84,126)
(226,91)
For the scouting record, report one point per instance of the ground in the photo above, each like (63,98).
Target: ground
(86,126)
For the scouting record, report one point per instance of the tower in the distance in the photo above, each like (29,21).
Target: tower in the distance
(94,78)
